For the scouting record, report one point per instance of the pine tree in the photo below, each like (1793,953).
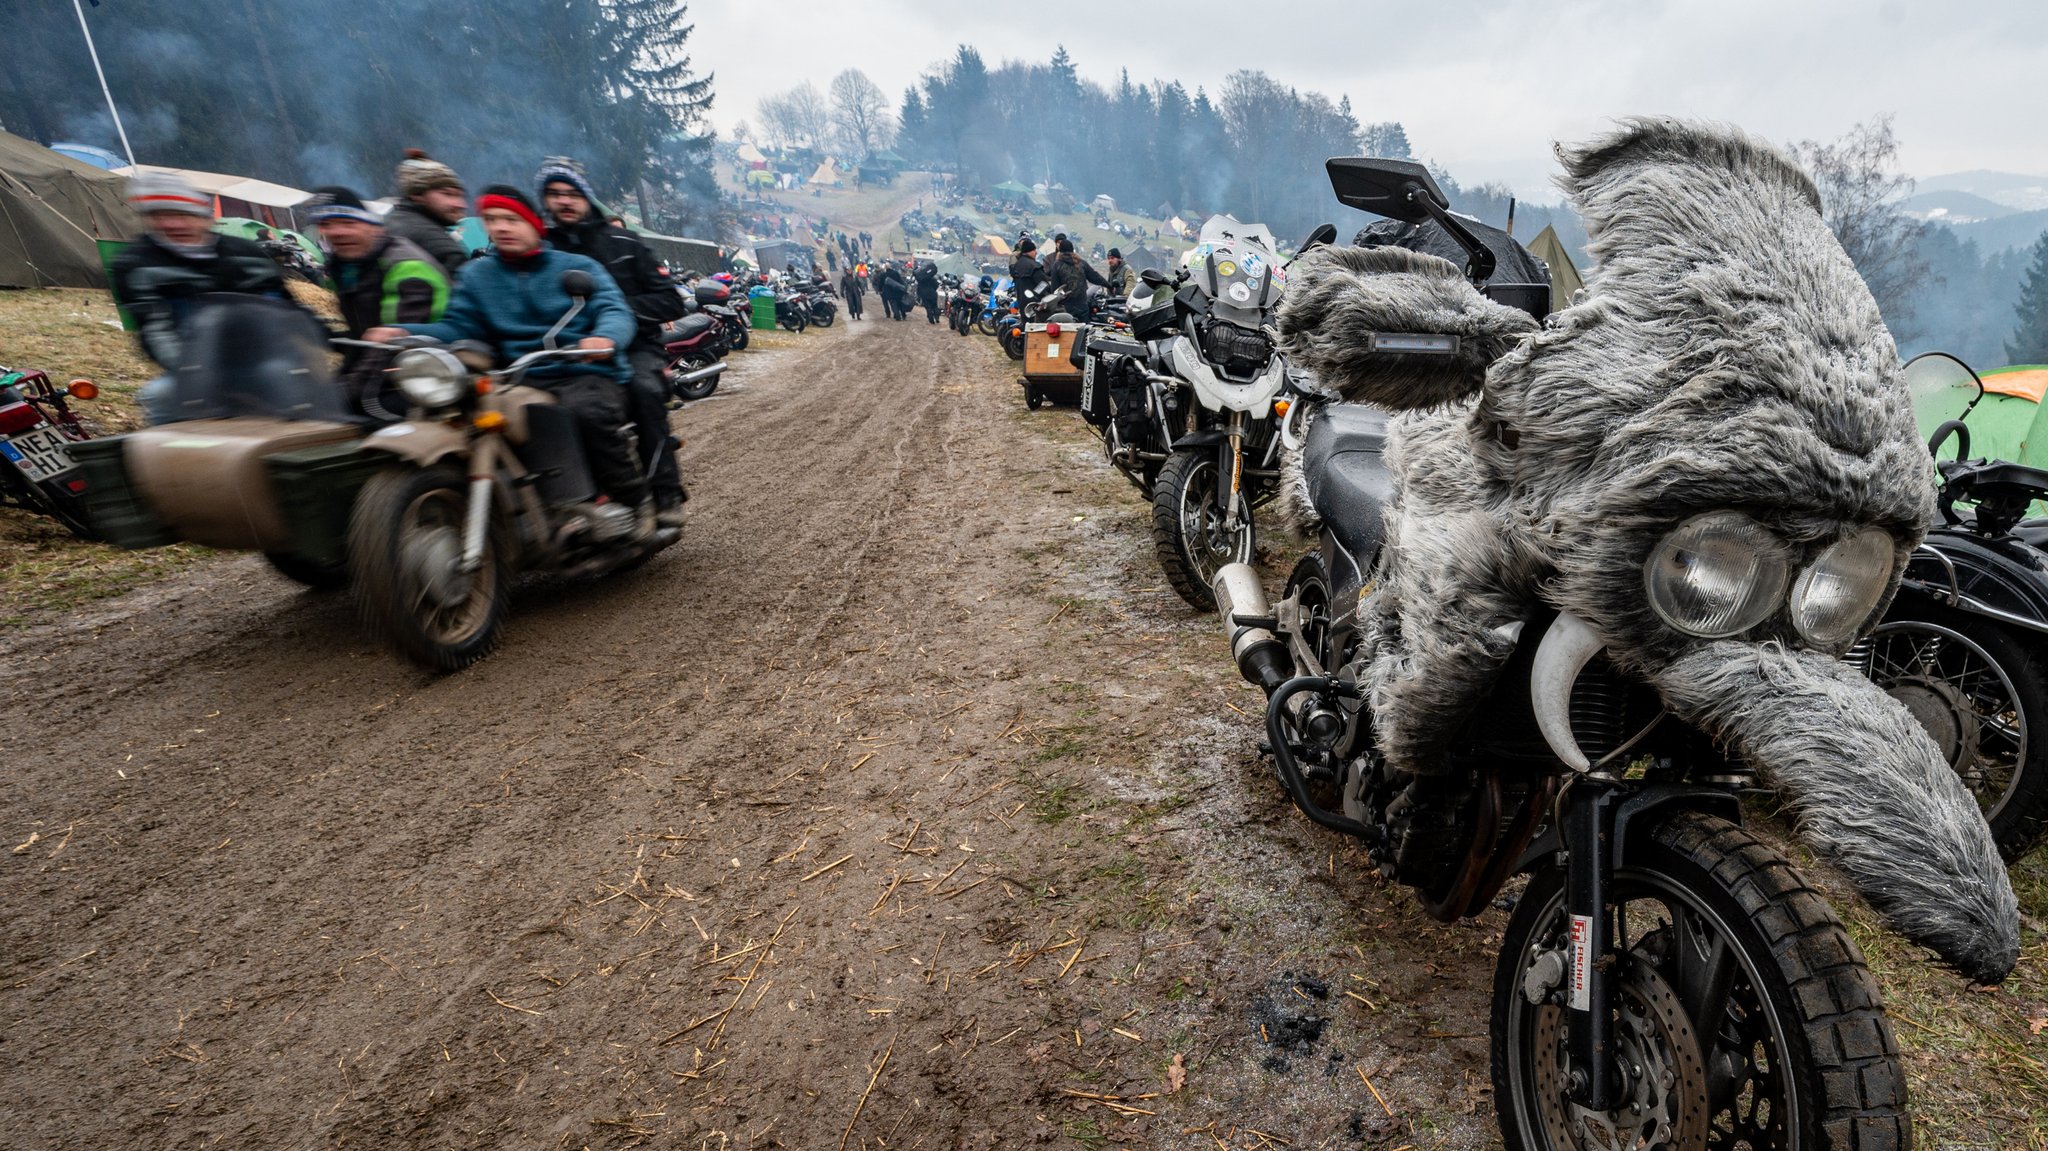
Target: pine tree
(912,127)
(2028,343)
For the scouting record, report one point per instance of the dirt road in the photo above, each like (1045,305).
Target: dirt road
(901,805)
(870,808)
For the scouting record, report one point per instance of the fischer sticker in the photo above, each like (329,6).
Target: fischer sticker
(1582,962)
(1226,268)
(1240,291)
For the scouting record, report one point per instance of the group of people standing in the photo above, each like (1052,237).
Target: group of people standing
(1067,270)
(900,285)
(404,273)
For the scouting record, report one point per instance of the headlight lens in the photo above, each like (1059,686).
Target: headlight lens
(1717,575)
(430,377)
(1838,591)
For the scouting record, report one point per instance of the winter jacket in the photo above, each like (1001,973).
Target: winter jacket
(1121,281)
(1075,274)
(928,285)
(640,275)
(510,303)
(851,286)
(409,221)
(159,286)
(1027,273)
(396,283)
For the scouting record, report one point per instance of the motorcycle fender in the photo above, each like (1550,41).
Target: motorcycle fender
(420,444)
(1640,813)
(2005,583)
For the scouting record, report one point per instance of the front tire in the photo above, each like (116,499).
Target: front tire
(404,546)
(1742,1004)
(1013,342)
(1982,696)
(1192,543)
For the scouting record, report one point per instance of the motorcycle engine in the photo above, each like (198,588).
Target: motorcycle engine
(1239,353)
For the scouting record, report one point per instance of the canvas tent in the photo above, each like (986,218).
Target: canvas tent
(991,246)
(752,156)
(1011,190)
(1564,277)
(2006,424)
(1143,258)
(827,174)
(53,212)
(685,255)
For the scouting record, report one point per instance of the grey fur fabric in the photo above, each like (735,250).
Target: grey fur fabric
(1339,297)
(1727,356)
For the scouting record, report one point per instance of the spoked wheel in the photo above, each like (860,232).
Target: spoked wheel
(405,562)
(1982,697)
(984,325)
(1189,533)
(1744,1017)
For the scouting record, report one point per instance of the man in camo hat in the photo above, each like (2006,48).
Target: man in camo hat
(430,201)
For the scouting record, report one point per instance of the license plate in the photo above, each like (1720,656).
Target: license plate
(41,453)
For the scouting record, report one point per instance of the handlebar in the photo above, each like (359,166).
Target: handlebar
(1957,428)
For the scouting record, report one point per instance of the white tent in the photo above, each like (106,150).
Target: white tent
(751,155)
(827,174)
(265,193)
(1106,202)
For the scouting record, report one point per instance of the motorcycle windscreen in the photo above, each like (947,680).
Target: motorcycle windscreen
(253,356)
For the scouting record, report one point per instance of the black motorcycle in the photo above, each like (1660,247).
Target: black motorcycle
(1962,646)
(963,303)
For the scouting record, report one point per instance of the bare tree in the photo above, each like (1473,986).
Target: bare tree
(811,115)
(861,112)
(1859,194)
(779,125)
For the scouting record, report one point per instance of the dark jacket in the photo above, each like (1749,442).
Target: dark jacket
(890,283)
(1026,272)
(640,275)
(396,283)
(511,303)
(928,285)
(1121,282)
(409,221)
(158,286)
(1073,273)
(851,286)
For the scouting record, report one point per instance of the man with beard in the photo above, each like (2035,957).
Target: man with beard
(430,201)
(580,225)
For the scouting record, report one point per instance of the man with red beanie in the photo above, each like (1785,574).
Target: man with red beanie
(510,301)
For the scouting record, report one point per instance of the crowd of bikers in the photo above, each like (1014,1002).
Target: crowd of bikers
(404,273)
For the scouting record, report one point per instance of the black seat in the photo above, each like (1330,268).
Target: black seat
(1344,459)
(688,327)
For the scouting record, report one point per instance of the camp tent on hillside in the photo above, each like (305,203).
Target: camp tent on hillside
(54,210)
(1144,258)
(1564,277)
(1164,211)
(1012,191)
(775,255)
(991,246)
(1060,199)
(826,175)
(2007,424)
(239,196)
(685,255)
(1104,202)
(1177,226)
(752,156)
(89,154)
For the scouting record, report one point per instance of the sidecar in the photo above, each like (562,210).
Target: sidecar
(261,455)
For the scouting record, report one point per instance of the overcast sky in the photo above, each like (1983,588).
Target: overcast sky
(1483,88)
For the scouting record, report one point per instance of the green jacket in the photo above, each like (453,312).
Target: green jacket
(396,283)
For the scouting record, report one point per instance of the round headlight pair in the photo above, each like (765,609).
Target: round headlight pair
(1722,573)
(431,378)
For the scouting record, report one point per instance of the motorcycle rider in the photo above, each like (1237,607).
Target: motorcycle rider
(378,279)
(892,288)
(1121,278)
(511,299)
(160,277)
(928,290)
(851,288)
(582,226)
(431,200)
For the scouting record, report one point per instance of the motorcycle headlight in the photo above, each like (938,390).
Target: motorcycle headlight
(1838,591)
(1717,575)
(430,377)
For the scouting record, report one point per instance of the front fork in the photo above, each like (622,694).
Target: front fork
(1230,465)
(476,523)
(1587,810)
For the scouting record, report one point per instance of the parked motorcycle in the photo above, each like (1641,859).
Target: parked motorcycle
(1961,646)
(1220,384)
(792,309)
(715,299)
(37,431)
(693,349)
(1666,979)
(963,304)
(822,302)
(487,478)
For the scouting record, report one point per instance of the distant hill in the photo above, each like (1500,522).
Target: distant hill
(1951,207)
(2016,191)
(2018,230)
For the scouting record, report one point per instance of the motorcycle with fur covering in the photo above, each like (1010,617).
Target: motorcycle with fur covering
(486,478)
(1590,580)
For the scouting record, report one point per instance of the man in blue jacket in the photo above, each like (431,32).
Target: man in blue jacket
(511,299)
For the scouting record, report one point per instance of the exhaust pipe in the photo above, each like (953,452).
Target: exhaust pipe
(1248,622)
(696,377)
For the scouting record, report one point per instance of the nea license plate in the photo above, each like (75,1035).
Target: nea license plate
(41,454)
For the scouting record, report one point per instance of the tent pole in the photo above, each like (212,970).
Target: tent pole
(104,91)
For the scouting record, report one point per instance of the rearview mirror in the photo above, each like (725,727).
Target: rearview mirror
(1398,189)
(1324,234)
(578,284)
(1151,277)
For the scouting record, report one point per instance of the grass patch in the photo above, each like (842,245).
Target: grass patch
(45,569)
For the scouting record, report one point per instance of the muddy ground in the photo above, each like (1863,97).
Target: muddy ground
(901,805)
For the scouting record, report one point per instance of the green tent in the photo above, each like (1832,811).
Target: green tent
(2007,424)
(1011,190)
(53,210)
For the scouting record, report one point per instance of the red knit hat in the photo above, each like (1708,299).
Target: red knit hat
(507,198)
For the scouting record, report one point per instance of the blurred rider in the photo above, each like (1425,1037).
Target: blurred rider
(161,276)
(431,200)
(510,300)
(581,225)
(378,279)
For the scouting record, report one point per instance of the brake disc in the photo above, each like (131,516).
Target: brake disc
(1657,1053)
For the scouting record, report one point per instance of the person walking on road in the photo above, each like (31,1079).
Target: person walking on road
(928,290)
(851,288)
